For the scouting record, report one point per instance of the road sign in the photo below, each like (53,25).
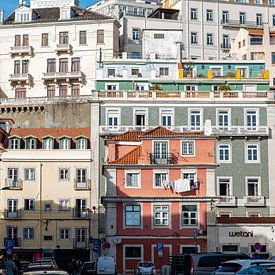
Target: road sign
(160,253)
(107,245)
(257,246)
(9,251)
(160,246)
(9,244)
(96,249)
(96,242)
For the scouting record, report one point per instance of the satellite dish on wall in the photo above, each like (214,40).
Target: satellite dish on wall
(208,127)
(117,240)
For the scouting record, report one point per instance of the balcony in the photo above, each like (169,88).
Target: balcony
(16,214)
(227,201)
(63,76)
(11,184)
(82,185)
(81,214)
(21,50)
(20,78)
(238,24)
(17,241)
(225,46)
(67,48)
(254,200)
(241,130)
(169,158)
(81,243)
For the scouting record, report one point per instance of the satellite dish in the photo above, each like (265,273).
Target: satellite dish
(208,127)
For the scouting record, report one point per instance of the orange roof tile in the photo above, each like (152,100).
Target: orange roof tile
(255,32)
(130,158)
(128,136)
(39,133)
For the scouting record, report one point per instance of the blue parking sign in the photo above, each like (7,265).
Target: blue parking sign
(96,249)
(160,246)
(9,244)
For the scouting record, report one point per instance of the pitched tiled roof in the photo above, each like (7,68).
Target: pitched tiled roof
(54,132)
(130,158)
(158,132)
(53,14)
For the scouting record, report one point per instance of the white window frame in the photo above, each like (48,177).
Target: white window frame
(258,152)
(229,213)
(64,204)
(229,150)
(140,111)
(230,185)
(181,214)
(217,67)
(166,111)
(243,67)
(154,225)
(218,110)
(188,153)
(29,204)
(256,110)
(86,173)
(210,39)
(14,143)
(194,128)
(27,172)
(116,85)
(48,143)
(113,112)
(81,143)
(28,233)
(32,143)
(154,177)
(138,172)
(124,215)
(259,185)
(64,239)
(65,143)
(165,71)
(59,174)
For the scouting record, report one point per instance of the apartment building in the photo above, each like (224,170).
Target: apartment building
(48,201)
(50,48)
(156,193)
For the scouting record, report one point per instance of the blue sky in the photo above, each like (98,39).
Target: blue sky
(9,5)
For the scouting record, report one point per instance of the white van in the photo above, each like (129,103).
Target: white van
(106,265)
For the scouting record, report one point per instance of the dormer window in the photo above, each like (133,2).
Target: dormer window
(31,143)
(65,144)
(14,143)
(81,143)
(48,143)
(23,14)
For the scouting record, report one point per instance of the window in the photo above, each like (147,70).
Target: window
(111,72)
(161,215)
(25,66)
(64,174)
(64,234)
(63,65)
(259,21)
(81,208)
(252,152)
(31,143)
(140,117)
(193,14)
(230,248)
(100,36)
(81,143)
(133,252)
(273,57)
(136,55)
(63,205)
(224,153)
(223,119)
(51,65)
(160,177)
(160,151)
(132,179)
(48,238)
(12,208)
(45,39)
(13,177)
(225,16)
(253,187)
(166,118)
(30,174)
(17,67)
(63,38)
(191,175)
(158,35)
(132,215)
(256,40)
(224,187)
(12,232)
(17,40)
(47,207)
(75,64)
(112,87)
(194,38)
(195,120)
(251,119)
(63,90)
(135,34)
(25,40)
(209,39)
(75,89)
(65,144)
(209,15)
(82,38)
(242,17)
(29,204)
(188,148)
(51,90)
(48,144)
(113,118)
(225,41)
(273,19)
(164,71)
(28,233)
(189,215)
(14,143)
(20,92)
(81,175)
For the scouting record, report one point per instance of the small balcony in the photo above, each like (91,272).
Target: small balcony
(225,46)
(11,184)
(227,201)
(169,158)
(20,78)
(63,76)
(15,214)
(254,201)
(21,50)
(17,241)
(81,243)
(85,185)
(64,48)
(81,214)
(238,24)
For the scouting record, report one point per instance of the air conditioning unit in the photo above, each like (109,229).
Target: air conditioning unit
(117,240)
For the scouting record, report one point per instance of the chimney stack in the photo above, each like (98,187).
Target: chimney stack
(1,17)
(21,3)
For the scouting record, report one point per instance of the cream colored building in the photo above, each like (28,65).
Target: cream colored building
(49,200)
(51,48)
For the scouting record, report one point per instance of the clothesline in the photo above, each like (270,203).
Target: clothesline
(181,185)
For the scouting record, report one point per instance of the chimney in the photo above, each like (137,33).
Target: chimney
(1,17)
(21,3)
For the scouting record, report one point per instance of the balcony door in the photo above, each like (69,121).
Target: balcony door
(161,149)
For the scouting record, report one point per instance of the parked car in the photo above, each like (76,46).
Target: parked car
(269,271)
(88,268)
(106,265)
(51,262)
(47,272)
(255,269)
(147,268)
(261,255)
(206,263)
